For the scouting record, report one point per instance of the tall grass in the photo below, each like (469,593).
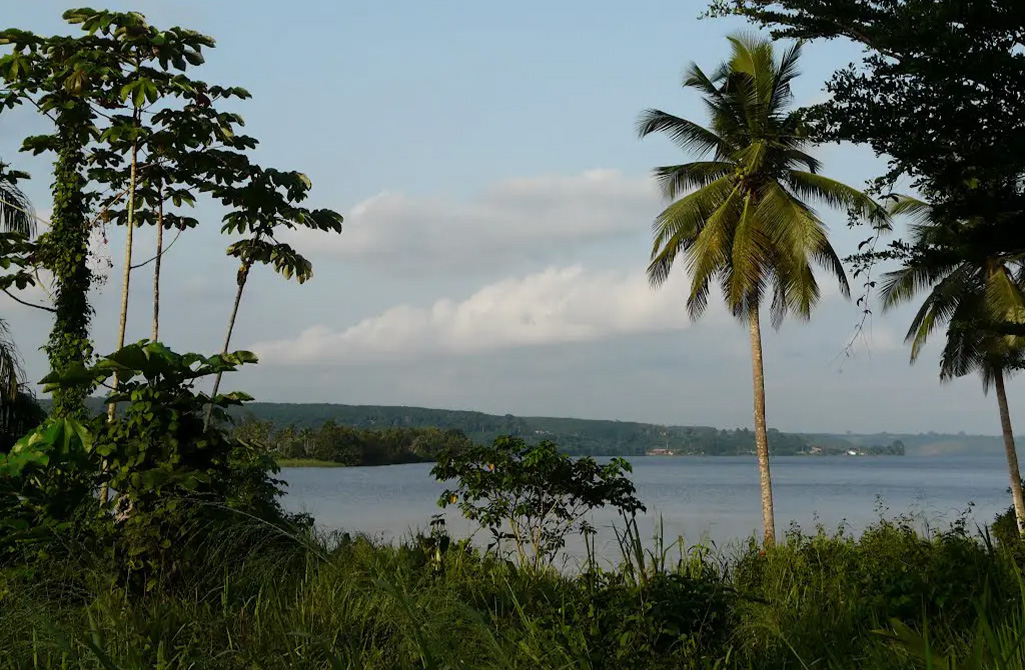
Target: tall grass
(256,599)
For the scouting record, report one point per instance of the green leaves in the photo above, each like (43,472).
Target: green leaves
(285,260)
(739,220)
(46,476)
(140,91)
(533,496)
(974,298)
(152,361)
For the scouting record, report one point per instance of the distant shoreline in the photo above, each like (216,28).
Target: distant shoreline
(308,463)
(314,463)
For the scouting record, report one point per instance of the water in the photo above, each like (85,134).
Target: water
(705,499)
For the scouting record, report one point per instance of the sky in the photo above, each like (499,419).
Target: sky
(498,208)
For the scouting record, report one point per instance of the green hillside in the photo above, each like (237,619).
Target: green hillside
(601,437)
(577,436)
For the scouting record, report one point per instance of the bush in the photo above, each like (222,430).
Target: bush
(533,496)
(174,476)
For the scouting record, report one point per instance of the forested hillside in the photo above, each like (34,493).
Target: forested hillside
(600,437)
(575,436)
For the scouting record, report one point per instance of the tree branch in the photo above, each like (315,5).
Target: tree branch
(160,255)
(28,304)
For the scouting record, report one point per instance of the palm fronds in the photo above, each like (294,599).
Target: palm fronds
(741,220)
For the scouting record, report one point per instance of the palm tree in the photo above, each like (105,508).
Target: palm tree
(972,296)
(16,215)
(741,219)
(19,410)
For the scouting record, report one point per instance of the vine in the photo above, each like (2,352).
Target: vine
(65,251)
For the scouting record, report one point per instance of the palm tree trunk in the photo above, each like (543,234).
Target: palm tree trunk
(1012,455)
(761,435)
(243,275)
(156,266)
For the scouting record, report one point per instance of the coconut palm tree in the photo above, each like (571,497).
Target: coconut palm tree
(973,297)
(742,219)
(16,215)
(18,409)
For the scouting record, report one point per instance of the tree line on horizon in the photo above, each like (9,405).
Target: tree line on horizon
(354,442)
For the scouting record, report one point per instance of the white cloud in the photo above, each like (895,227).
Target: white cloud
(507,222)
(557,305)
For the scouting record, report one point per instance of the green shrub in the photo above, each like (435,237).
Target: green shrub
(175,477)
(532,496)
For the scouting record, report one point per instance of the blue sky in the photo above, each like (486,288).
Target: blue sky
(498,212)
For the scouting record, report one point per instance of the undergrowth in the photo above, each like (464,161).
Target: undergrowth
(260,597)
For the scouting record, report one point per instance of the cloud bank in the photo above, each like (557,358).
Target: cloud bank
(558,305)
(510,221)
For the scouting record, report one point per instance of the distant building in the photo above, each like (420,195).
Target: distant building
(660,451)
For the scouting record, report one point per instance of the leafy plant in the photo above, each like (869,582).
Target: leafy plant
(262,202)
(998,642)
(171,472)
(534,496)
(43,481)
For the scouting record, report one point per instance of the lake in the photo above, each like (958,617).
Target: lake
(704,499)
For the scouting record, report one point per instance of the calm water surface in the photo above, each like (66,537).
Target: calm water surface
(702,498)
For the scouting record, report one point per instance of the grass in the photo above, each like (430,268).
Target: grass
(816,601)
(307,463)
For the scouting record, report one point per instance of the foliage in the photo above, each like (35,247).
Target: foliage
(18,416)
(64,252)
(1006,533)
(817,597)
(44,480)
(133,134)
(170,472)
(967,293)
(997,643)
(341,445)
(16,212)
(747,226)
(532,495)
(309,603)
(936,92)
(54,74)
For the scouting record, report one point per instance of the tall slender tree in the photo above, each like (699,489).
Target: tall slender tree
(741,219)
(973,295)
(261,202)
(54,75)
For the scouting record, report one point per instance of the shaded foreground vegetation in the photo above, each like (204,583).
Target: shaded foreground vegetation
(249,598)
